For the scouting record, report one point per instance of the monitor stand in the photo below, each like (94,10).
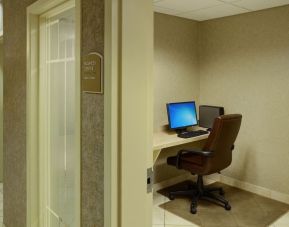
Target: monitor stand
(181,131)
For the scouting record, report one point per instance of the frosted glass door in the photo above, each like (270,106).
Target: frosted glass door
(59,101)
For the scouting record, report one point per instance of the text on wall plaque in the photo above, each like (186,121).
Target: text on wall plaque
(92,73)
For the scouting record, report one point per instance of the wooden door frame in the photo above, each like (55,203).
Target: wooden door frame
(33,187)
(111,118)
(128,141)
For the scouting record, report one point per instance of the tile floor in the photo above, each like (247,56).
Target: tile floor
(248,210)
(176,214)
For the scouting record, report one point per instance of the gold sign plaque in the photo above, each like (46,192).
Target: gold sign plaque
(92,73)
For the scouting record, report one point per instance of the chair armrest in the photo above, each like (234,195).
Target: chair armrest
(196,152)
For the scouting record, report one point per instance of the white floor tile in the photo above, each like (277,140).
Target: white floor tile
(158,215)
(159,199)
(282,221)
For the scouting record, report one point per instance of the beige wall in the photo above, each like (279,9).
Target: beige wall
(175,64)
(244,66)
(15,116)
(176,75)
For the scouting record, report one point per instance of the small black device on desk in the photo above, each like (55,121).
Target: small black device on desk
(208,114)
(181,116)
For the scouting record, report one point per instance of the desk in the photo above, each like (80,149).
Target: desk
(165,139)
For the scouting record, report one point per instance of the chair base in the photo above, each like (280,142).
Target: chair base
(199,191)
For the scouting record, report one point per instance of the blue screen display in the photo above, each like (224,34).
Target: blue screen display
(182,115)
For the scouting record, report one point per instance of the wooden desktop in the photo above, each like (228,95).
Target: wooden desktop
(165,139)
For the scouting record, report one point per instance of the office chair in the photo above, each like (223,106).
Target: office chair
(215,156)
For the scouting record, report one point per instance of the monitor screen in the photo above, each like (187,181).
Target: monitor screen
(182,115)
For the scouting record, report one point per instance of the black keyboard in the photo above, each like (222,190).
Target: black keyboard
(190,134)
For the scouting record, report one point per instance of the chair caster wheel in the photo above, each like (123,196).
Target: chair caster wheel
(221,192)
(193,210)
(228,207)
(171,197)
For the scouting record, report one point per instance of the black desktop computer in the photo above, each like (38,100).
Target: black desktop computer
(208,114)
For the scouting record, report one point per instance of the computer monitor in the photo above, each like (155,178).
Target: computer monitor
(182,115)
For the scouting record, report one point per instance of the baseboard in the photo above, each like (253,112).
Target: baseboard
(281,197)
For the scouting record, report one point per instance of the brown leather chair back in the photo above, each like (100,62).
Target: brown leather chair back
(221,142)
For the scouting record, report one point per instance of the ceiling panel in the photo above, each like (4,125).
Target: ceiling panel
(260,4)
(166,11)
(187,5)
(214,12)
(210,9)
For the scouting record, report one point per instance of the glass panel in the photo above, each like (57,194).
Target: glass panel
(53,220)
(57,136)
(53,38)
(61,118)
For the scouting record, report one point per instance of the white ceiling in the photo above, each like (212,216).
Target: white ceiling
(201,10)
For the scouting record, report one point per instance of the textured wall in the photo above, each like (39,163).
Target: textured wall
(175,63)
(1,111)
(92,121)
(15,112)
(244,67)
(15,116)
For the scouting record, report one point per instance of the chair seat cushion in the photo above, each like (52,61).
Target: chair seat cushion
(188,162)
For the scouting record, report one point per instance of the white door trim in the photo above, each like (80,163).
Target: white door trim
(128,124)
(33,15)
(111,114)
